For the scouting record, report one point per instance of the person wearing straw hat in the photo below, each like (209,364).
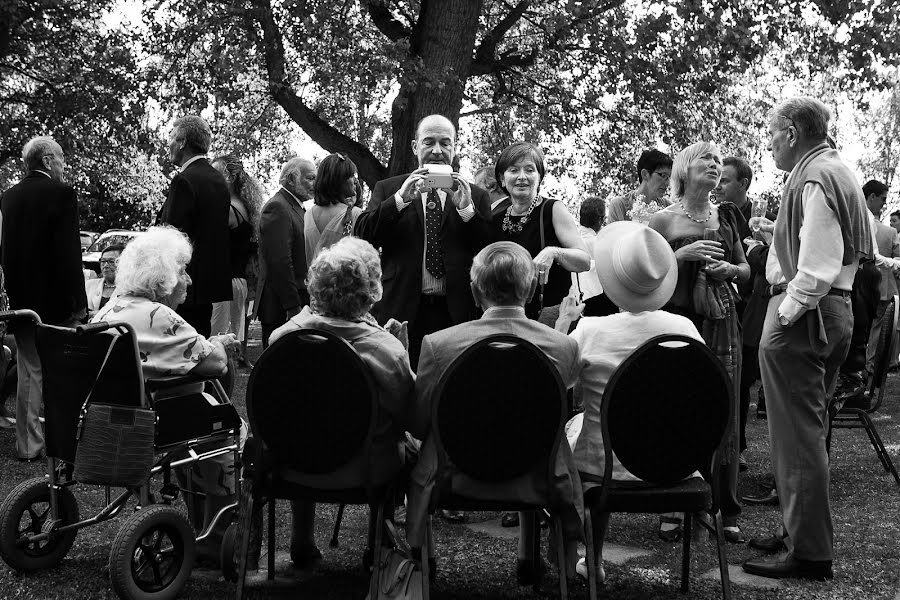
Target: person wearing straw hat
(638,271)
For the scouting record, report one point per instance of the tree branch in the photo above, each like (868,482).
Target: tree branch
(271,46)
(484,54)
(393,29)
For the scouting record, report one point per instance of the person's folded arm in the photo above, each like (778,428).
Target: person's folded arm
(820,257)
(214,364)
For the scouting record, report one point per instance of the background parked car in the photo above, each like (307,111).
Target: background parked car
(90,260)
(87,238)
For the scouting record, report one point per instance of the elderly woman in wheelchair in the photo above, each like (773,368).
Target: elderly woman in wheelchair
(152,283)
(129,396)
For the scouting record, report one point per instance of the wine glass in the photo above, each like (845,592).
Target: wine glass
(710,234)
(758,208)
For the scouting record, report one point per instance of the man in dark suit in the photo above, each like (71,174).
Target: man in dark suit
(42,262)
(197,204)
(427,239)
(281,291)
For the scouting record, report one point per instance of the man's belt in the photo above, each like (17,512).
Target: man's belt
(780,288)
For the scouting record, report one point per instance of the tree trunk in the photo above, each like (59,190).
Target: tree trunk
(441,44)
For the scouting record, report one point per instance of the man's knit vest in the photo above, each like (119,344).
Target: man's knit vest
(822,165)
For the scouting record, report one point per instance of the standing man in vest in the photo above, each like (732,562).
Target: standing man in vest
(821,233)
(42,263)
(197,204)
(427,238)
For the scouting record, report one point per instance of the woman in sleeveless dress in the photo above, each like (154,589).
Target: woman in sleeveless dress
(708,249)
(542,226)
(243,220)
(334,211)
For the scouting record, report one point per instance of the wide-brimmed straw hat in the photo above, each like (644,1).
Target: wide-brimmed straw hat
(636,266)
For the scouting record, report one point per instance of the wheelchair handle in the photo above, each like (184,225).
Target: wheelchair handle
(22,314)
(93,327)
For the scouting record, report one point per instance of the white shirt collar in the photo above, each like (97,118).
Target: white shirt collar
(192,159)
(291,194)
(43,173)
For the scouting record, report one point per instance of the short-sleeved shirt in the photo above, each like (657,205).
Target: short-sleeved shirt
(168,345)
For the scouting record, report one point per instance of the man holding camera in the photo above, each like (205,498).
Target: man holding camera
(429,225)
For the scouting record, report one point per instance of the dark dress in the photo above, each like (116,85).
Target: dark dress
(559,280)
(721,332)
(240,246)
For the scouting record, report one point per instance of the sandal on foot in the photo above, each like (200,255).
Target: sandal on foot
(581,571)
(669,534)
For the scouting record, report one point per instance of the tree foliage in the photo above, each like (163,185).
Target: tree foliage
(620,73)
(64,73)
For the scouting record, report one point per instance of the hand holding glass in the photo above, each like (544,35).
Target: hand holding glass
(757,209)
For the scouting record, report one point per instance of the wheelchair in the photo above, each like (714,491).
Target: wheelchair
(153,552)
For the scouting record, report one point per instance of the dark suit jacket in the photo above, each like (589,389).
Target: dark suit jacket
(198,204)
(282,259)
(401,237)
(42,249)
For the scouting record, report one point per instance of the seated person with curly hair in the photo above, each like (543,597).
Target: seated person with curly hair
(344,281)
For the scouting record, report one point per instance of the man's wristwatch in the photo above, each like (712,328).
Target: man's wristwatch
(783,320)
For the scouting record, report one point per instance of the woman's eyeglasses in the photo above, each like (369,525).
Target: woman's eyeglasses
(108,261)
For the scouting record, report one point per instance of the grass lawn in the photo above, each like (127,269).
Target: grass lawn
(865,503)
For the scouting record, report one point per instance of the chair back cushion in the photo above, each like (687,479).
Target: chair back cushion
(71,365)
(501,407)
(311,401)
(666,408)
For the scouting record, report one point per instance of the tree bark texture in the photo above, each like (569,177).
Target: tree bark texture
(441,45)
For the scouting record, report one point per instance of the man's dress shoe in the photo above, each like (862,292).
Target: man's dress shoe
(770,544)
(788,567)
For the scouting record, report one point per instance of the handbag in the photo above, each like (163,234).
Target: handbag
(399,576)
(707,297)
(115,443)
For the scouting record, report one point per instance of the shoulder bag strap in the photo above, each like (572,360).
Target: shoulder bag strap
(91,391)
(541,227)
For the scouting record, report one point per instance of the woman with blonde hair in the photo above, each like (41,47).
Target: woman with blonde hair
(708,250)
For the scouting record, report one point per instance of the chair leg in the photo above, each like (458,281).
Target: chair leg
(561,558)
(245,522)
(271,541)
(686,531)
(723,560)
(536,549)
(426,571)
(375,578)
(337,526)
(589,554)
(882,451)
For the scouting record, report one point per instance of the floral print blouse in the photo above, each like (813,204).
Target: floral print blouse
(168,345)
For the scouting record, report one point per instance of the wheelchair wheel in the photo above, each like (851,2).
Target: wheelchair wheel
(26,511)
(227,553)
(152,555)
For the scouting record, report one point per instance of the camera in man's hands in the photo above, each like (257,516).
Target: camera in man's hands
(438,177)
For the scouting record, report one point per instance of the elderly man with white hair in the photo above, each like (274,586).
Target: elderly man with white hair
(281,292)
(42,262)
(821,234)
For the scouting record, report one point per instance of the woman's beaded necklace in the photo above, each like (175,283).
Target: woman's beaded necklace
(692,218)
(509,226)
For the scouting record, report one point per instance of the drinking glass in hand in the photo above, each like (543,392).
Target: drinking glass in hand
(757,209)
(710,234)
